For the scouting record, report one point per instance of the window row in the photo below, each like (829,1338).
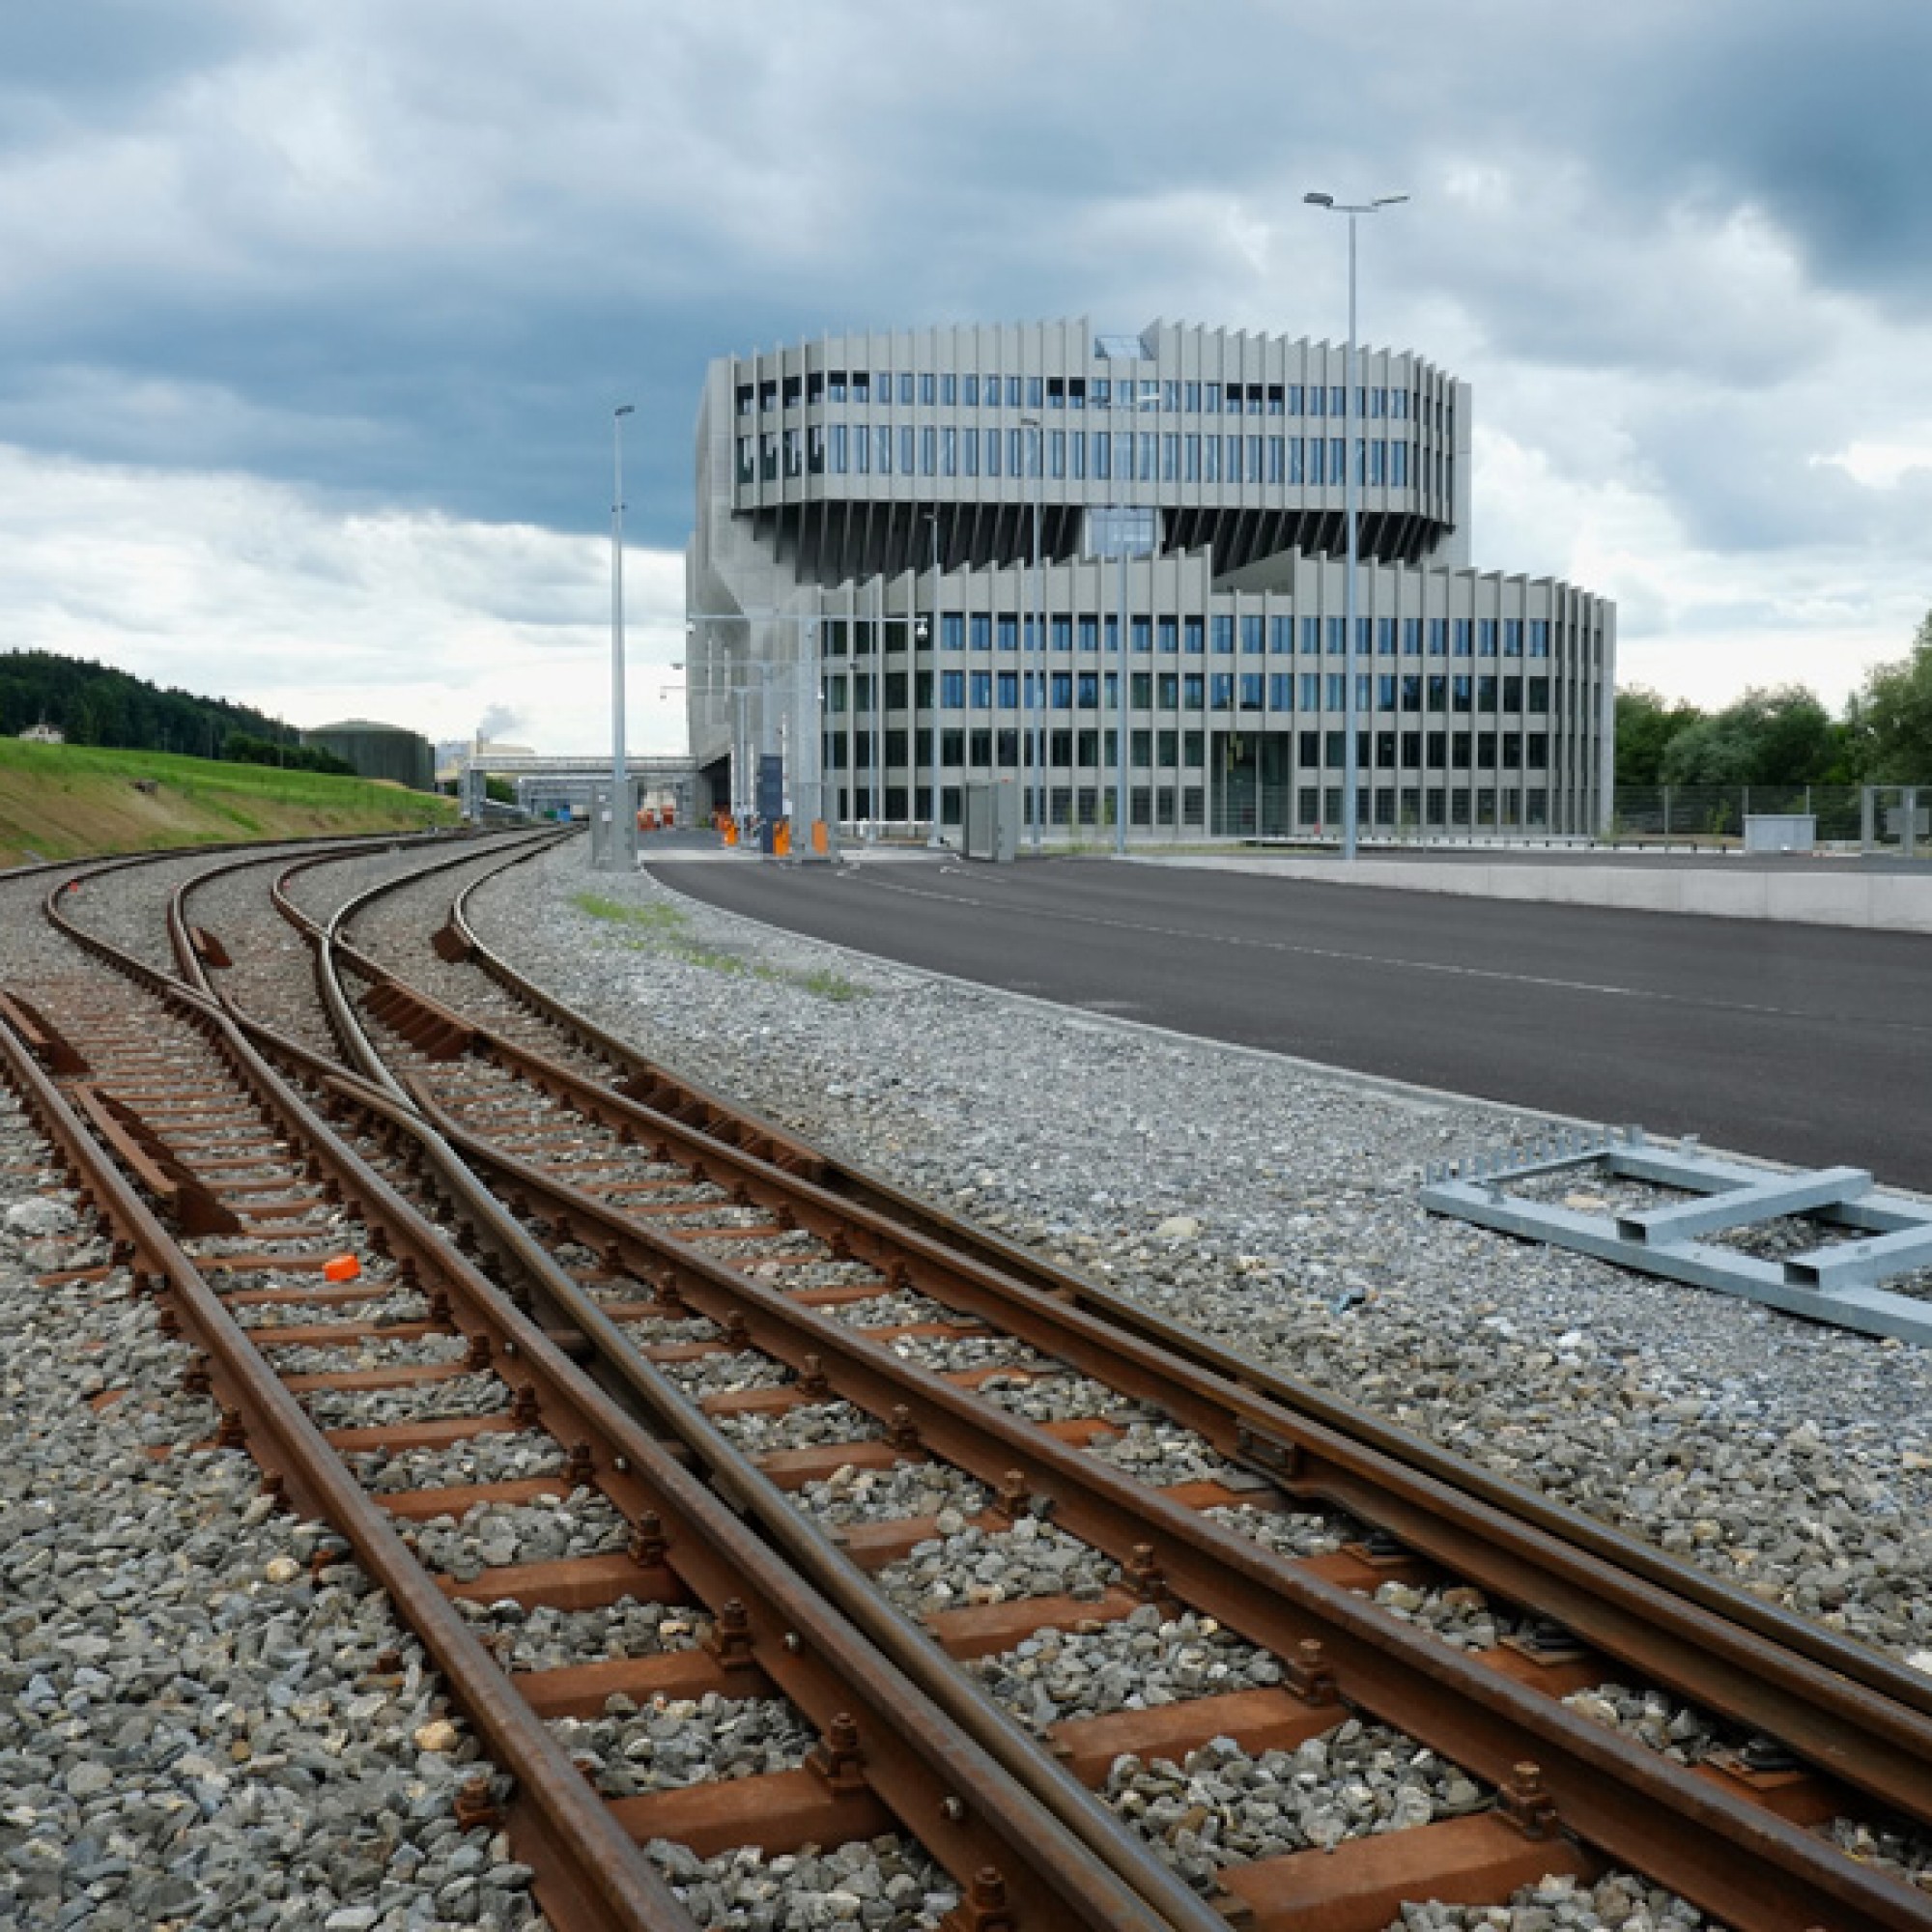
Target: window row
(1316,807)
(932,389)
(1166,456)
(1180,750)
(1258,634)
(1192,691)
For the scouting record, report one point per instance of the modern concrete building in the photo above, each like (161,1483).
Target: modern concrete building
(870,506)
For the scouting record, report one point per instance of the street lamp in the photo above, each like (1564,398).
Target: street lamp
(1038,734)
(935,840)
(621,855)
(1349,762)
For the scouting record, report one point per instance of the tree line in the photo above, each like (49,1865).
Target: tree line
(93,704)
(1785,735)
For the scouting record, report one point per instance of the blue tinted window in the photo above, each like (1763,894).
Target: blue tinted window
(952,633)
(1224,634)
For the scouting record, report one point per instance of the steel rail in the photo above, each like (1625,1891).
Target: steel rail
(820,1335)
(694,1104)
(1728,1855)
(593,1876)
(729,1470)
(1858,1734)
(949,1793)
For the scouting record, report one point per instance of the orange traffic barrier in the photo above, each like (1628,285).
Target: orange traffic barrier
(821,842)
(341,1267)
(731,831)
(781,839)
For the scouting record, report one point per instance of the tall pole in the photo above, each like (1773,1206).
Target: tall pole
(875,792)
(1120,692)
(1120,674)
(623,828)
(1038,736)
(936,840)
(1351,775)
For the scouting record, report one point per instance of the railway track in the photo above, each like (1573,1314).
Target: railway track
(999,1480)
(372,1402)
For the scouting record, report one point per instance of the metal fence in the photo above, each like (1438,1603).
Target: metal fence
(1873,817)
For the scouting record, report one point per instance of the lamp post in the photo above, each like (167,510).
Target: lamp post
(621,853)
(1039,732)
(1349,761)
(935,838)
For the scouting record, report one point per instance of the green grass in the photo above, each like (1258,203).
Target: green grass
(71,801)
(664,930)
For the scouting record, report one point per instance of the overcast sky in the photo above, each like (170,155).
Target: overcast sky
(312,316)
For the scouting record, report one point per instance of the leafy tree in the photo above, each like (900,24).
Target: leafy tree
(1646,725)
(1890,719)
(1782,736)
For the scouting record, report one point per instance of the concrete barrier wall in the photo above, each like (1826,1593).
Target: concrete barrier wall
(1882,901)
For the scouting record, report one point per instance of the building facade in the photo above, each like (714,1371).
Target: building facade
(864,599)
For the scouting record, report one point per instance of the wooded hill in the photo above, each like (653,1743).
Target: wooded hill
(94,704)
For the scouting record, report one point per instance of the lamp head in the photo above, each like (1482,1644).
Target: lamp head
(1316,199)
(626,408)
(1387,200)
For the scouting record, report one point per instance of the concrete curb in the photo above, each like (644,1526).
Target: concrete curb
(1876,903)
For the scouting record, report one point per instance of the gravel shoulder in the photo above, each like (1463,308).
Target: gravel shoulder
(1272,1205)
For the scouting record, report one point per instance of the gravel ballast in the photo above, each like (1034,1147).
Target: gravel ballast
(1272,1205)
(195,1726)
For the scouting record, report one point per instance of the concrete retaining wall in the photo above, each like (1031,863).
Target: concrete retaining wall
(1884,902)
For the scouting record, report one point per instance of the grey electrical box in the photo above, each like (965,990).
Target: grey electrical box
(614,843)
(993,822)
(1781,831)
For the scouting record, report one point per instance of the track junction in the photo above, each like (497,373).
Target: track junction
(457,1264)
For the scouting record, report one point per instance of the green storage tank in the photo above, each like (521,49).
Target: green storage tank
(378,752)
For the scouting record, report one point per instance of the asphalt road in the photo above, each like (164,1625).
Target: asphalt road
(1802,1043)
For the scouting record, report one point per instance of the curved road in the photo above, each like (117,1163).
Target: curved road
(1803,1043)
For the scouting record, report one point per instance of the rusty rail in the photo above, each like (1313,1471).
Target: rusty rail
(947,1792)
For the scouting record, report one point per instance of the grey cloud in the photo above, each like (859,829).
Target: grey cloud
(422,251)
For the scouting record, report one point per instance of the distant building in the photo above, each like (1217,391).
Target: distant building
(872,502)
(378,752)
(44,734)
(455,755)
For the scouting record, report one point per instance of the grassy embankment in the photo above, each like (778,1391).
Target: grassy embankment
(73,801)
